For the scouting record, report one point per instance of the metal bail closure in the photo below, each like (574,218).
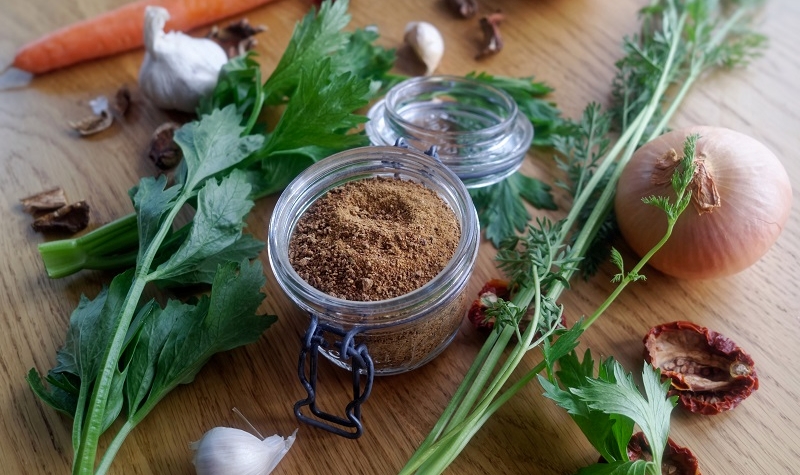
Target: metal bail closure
(314,339)
(432,152)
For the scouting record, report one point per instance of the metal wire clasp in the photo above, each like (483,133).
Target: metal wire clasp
(432,152)
(361,366)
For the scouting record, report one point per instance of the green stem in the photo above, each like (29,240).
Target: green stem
(600,211)
(67,256)
(449,447)
(93,427)
(627,279)
(119,437)
(114,446)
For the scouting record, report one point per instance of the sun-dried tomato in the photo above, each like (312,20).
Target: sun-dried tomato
(677,460)
(492,291)
(709,372)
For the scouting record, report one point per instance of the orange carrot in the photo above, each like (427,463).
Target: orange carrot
(119,30)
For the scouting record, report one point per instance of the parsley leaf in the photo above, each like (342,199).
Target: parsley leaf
(239,83)
(362,57)
(151,201)
(607,406)
(621,397)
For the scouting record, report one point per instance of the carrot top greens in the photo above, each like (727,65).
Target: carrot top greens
(679,40)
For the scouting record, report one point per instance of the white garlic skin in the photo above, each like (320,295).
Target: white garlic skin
(177,69)
(426,42)
(229,451)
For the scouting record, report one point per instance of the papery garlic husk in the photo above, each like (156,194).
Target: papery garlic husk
(426,42)
(177,69)
(229,451)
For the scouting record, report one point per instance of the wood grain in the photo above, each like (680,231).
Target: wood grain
(571,45)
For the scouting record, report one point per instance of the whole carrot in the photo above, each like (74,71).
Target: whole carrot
(119,30)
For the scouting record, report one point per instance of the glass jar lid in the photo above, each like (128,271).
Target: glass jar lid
(478,131)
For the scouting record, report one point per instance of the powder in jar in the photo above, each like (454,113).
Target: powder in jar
(374,239)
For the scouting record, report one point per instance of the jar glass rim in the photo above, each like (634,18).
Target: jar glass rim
(478,130)
(356,164)
(448,83)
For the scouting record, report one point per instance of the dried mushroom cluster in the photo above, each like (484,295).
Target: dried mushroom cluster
(52,212)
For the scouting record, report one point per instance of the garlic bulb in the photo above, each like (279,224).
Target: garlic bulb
(225,450)
(177,69)
(426,42)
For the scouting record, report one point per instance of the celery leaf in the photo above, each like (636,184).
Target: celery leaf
(214,144)
(321,112)
(174,343)
(217,225)
(152,202)
(315,37)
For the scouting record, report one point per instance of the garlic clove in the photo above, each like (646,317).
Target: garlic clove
(177,69)
(426,42)
(225,450)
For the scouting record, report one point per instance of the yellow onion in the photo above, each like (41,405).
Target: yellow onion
(741,198)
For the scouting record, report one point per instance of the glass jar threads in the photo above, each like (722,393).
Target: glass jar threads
(375,337)
(478,130)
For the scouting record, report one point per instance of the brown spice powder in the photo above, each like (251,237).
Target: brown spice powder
(374,239)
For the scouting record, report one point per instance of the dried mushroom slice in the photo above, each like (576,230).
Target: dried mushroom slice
(677,460)
(463,8)
(44,201)
(70,218)
(122,101)
(237,38)
(709,372)
(492,40)
(164,151)
(92,124)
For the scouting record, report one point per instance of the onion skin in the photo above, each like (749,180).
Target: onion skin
(755,200)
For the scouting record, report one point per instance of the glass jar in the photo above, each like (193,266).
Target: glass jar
(375,337)
(478,130)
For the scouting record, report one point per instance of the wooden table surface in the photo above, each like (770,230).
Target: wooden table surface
(571,44)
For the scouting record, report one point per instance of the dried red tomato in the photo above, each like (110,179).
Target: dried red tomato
(709,372)
(677,460)
(492,291)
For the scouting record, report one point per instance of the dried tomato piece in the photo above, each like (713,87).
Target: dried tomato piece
(492,291)
(709,372)
(677,460)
